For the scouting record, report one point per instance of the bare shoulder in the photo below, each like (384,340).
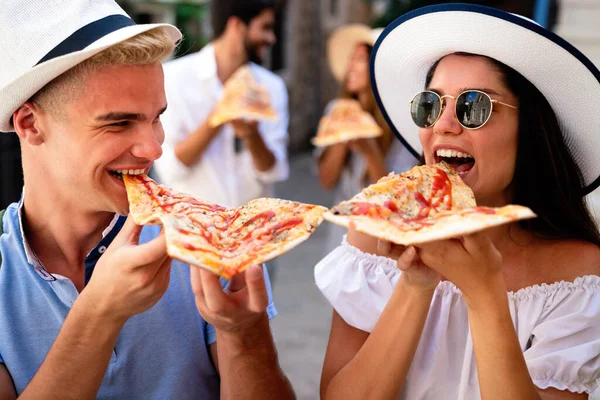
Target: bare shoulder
(570,259)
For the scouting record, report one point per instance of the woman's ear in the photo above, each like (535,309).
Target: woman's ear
(27,121)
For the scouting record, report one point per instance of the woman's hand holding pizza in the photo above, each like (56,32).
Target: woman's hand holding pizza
(471,262)
(364,146)
(239,307)
(414,272)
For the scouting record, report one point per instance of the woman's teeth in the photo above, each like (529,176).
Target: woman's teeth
(452,153)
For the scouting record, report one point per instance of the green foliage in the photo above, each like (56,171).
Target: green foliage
(190,19)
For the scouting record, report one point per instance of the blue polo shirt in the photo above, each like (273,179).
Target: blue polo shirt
(160,354)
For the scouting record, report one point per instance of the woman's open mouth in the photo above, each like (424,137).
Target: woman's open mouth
(461,162)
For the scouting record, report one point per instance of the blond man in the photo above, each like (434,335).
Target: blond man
(91,305)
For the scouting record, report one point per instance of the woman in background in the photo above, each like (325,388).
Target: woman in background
(348,167)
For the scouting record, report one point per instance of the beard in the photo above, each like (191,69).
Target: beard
(253,51)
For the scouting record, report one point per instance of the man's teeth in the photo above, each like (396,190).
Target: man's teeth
(131,171)
(452,153)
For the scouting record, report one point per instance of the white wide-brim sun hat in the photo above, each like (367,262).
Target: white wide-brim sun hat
(42,39)
(342,44)
(409,46)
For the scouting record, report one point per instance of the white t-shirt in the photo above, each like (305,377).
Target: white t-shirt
(222,175)
(558,326)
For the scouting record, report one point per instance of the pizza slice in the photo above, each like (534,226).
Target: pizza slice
(223,240)
(243,98)
(344,122)
(425,204)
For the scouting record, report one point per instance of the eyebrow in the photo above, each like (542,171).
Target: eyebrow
(120,116)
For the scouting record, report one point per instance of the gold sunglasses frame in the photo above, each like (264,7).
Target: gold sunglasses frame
(443,105)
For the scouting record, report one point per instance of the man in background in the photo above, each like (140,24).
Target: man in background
(236,162)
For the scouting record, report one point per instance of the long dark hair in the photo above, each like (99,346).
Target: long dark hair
(546,178)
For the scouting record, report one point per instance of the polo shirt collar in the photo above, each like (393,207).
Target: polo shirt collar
(91,259)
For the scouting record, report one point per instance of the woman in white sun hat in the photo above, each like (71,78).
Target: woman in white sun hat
(513,312)
(350,166)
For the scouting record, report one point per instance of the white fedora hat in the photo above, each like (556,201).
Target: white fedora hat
(570,82)
(42,39)
(343,42)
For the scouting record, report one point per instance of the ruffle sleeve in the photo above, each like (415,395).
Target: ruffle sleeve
(357,284)
(565,343)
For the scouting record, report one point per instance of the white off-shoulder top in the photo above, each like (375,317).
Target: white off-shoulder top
(558,326)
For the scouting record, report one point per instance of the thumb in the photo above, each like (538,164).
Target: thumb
(150,252)
(405,260)
(129,234)
(258,297)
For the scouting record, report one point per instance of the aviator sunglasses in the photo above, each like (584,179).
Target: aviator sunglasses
(473,108)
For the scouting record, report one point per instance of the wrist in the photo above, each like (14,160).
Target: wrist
(98,311)
(251,136)
(410,287)
(488,298)
(252,340)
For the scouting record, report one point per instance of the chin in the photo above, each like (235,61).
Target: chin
(351,88)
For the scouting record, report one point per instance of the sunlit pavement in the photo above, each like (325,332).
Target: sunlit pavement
(301,328)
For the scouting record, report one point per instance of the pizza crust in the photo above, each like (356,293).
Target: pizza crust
(345,136)
(451,225)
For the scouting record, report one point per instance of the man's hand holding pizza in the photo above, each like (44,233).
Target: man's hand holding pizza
(129,278)
(237,309)
(247,131)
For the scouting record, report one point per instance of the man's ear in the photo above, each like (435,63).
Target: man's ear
(28,124)
(236,25)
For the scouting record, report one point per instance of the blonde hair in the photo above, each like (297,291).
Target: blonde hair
(147,48)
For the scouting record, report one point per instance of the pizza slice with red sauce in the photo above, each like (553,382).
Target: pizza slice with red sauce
(223,240)
(345,121)
(243,98)
(425,204)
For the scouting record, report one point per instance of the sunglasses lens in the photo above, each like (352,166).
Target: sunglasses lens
(473,109)
(425,109)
